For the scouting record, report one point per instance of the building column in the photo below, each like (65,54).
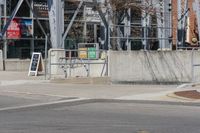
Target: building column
(32,40)
(56,20)
(5,40)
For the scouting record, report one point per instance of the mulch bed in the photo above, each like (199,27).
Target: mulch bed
(192,94)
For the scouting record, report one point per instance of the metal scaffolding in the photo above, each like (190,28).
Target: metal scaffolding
(120,34)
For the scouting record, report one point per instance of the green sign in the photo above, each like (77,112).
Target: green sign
(92,53)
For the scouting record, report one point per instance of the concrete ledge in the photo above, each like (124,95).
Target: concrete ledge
(84,80)
(17,64)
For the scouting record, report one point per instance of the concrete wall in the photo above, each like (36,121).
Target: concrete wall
(153,66)
(17,65)
(133,66)
(57,71)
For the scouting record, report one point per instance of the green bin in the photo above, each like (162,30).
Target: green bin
(92,53)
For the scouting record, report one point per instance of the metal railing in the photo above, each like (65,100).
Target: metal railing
(136,36)
(73,59)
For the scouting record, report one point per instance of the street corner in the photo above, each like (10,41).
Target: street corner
(186,95)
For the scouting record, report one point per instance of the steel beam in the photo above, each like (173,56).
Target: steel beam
(35,15)
(71,23)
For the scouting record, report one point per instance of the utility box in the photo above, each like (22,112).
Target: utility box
(82,53)
(88,50)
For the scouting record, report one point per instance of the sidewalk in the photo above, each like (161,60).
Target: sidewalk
(18,83)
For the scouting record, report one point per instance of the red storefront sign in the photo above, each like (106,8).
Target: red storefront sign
(13,30)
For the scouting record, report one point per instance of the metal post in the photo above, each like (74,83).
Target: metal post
(46,43)
(50,64)
(4,36)
(70,66)
(106,64)
(192,65)
(32,40)
(88,70)
(95,33)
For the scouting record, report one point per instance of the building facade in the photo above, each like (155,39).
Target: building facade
(136,28)
(23,35)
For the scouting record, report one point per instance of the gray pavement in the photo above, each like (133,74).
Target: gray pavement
(32,104)
(19,84)
(102,118)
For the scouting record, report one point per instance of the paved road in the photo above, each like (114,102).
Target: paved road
(102,118)
(12,99)
(7,101)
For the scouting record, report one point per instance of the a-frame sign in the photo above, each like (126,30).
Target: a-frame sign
(36,64)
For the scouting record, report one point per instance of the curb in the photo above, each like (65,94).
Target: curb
(75,102)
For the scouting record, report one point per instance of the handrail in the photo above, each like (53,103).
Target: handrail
(66,63)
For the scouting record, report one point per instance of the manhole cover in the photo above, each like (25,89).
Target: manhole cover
(142,131)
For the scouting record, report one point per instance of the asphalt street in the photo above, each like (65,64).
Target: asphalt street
(25,108)
(102,118)
(10,101)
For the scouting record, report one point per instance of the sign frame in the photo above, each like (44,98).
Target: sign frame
(36,64)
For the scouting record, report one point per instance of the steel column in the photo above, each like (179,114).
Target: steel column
(56,20)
